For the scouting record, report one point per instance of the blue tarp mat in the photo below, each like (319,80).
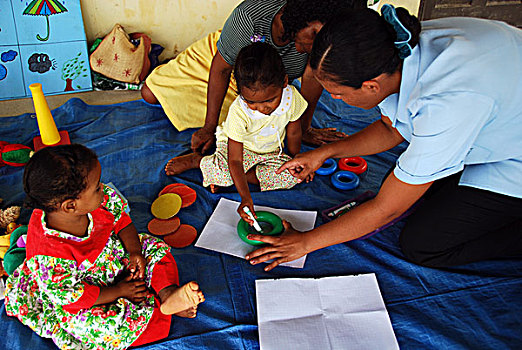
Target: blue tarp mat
(476,306)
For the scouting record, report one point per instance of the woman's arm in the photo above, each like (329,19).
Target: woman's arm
(378,137)
(311,91)
(235,165)
(218,81)
(293,137)
(394,198)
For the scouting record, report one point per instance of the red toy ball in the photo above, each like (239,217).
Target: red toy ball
(356,165)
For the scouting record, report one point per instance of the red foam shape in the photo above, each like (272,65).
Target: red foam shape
(187,194)
(160,227)
(183,237)
(64,140)
(168,187)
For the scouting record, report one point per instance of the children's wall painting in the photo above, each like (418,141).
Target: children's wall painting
(42,41)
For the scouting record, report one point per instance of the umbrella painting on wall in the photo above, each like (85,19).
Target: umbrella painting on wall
(52,52)
(44,8)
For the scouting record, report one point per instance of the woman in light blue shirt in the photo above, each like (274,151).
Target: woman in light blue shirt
(451,88)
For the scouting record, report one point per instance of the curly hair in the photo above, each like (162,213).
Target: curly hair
(259,65)
(55,174)
(297,14)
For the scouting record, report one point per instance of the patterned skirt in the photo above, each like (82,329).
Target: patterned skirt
(216,172)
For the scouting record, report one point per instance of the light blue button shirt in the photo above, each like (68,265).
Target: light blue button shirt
(460,105)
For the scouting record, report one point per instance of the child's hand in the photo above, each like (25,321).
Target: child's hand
(244,215)
(135,291)
(137,264)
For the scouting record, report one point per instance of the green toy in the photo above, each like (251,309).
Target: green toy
(15,255)
(14,154)
(270,223)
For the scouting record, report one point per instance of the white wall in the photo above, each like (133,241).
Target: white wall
(174,24)
(411,5)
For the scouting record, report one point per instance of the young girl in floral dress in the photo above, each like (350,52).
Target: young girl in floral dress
(89,280)
(250,141)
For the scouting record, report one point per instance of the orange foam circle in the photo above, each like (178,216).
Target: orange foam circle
(183,237)
(160,227)
(168,187)
(187,194)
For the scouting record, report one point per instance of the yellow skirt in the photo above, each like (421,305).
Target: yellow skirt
(181,85)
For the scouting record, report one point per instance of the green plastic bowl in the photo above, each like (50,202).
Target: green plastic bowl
(271,224)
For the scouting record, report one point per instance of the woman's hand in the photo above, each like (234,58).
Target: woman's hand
(137,264)
(303,165)
(317,137)
(135,291)
(250,205)
(203,140)
(287,247)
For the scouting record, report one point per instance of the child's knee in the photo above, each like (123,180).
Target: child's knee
(147,95)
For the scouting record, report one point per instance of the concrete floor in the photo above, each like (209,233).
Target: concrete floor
(11,108)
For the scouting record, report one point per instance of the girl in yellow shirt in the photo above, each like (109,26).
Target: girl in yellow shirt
(250,142)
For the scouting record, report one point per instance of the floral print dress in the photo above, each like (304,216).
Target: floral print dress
(54,290)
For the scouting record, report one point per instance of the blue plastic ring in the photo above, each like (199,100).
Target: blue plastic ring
(328,167)
(345,180)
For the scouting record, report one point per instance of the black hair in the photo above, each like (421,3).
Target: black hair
(259,65)
(358,45)
(55,174)
(297,14)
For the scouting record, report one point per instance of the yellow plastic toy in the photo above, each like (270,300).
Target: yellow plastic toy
(49,134)
(4,244)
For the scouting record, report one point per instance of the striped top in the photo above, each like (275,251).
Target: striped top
(254,18)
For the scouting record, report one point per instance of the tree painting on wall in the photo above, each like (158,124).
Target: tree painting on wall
(51,52)
(71,70)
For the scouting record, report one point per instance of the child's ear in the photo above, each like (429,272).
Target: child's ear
(286,81)
(68,206)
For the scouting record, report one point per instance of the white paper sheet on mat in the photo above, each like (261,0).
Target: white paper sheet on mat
(220,232)
(345,312)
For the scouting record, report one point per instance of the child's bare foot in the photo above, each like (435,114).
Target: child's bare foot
(177,165)
(214,188)
(176,299)
(189,313)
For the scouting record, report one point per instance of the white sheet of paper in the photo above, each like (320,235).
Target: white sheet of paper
(345,312)
(220,233)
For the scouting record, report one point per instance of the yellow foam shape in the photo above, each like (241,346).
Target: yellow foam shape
(5,240)
(166,206)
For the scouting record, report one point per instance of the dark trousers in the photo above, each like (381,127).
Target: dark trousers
(456,225)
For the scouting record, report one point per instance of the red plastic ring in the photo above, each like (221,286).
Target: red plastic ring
(356,165)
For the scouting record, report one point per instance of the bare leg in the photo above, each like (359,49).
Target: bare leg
(182,301)
(251,176)
(214,188)
(147,95)
(177,165)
